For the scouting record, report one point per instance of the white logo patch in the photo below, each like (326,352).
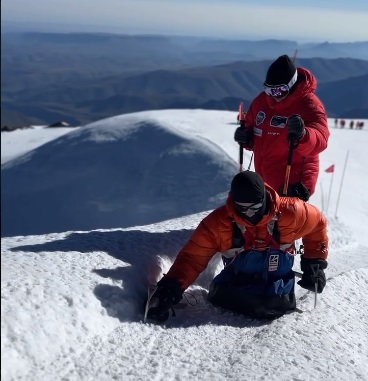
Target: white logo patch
(273,262)
(257,131)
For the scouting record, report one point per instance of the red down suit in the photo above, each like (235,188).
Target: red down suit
(267,119)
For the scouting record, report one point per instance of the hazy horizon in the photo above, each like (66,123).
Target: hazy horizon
(44,27)
(337,22)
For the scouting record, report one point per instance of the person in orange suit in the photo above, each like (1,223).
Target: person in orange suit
(255,232)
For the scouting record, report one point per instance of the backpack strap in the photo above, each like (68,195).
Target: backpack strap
(273,234)
(238,237)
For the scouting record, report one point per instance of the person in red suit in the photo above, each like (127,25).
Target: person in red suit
(287,112)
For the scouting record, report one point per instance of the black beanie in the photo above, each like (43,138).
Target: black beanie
(280,71)
(248,187)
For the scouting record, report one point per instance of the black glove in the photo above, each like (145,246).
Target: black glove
(296,128)
(312,273)
(168,293)
(299,190)
(296,190)
(244,135)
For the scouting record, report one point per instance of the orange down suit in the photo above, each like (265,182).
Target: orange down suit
(295,218)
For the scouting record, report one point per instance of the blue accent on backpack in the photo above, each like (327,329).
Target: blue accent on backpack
(260,272)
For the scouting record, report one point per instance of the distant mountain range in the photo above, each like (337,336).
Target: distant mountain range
(84,77)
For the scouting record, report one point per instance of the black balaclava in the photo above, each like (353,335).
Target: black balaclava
(248,187)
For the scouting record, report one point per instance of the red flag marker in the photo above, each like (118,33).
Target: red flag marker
(330,169)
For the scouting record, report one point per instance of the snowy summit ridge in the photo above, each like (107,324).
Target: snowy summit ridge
(124,171)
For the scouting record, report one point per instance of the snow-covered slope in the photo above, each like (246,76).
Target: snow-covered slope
(72,310)
(72,301)
(20,141)
(137,169)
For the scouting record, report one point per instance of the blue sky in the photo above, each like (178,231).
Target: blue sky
(324,20)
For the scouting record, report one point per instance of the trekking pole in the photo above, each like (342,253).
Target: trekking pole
(250,162)
(315,269)
(242,125)
(292,145)
(241,157)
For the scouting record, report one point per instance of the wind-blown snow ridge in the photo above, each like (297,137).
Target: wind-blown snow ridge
(116,173)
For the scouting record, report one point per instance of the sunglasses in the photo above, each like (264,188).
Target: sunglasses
(280,91)
(247,208)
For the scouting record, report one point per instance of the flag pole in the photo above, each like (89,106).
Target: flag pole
(329,192)
(342,180)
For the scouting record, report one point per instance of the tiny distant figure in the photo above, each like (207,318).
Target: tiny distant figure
(352,125)
(359,125)
(336,123)
(342,123)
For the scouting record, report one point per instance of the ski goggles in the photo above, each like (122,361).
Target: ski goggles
(280,91)
(247,208)
(277,91)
